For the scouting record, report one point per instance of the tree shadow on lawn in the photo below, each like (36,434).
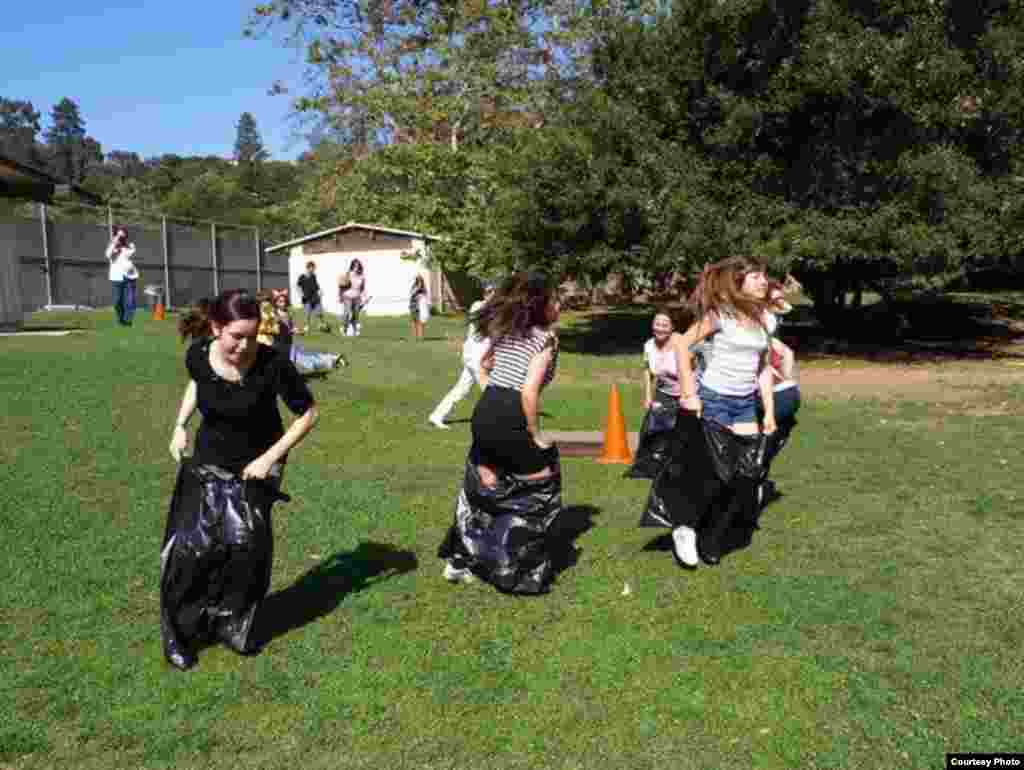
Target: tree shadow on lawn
(613,331)
(318,592)
(920,330)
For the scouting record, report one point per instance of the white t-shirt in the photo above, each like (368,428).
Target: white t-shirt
(732,355)
(663,365)
(121,266)
(475,346)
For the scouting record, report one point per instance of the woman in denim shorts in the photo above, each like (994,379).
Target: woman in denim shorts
(733,329)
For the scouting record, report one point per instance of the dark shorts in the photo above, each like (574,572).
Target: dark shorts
(728,410)
(787,402)
(500,436)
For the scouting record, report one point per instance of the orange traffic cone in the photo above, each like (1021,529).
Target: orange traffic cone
(158,311)
(616,443)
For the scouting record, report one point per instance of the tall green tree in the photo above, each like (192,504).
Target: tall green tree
(248,142)
(70,153)
(19,129)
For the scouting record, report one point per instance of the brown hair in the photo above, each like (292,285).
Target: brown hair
(311,264)
(516,306)
(719,290)
(228,306)
(667,312)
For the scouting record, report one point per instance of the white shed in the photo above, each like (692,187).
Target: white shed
(385,254)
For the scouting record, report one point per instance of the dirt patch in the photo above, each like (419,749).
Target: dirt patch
(963,381)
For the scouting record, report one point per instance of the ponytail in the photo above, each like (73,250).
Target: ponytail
(196,322)
(228,306)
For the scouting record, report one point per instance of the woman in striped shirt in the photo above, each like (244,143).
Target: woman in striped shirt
(512,488)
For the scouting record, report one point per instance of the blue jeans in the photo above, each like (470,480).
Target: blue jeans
(124,300)
(314,309)
(727,410)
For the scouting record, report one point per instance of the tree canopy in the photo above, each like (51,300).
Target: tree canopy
(856,143)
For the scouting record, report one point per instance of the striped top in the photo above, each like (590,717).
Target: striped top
(512,356)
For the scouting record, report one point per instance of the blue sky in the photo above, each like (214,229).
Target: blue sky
(151,77)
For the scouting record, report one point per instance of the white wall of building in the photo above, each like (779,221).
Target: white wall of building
(389,276)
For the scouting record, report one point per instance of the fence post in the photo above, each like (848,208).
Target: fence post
(110,222)
(259,260)
(213,253)
(47,266)
(167,268)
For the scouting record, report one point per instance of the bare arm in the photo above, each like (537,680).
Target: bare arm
(298,430)
(766,384)
(681,344)
(179,438)
(531,391)
(785,370)
(648,388)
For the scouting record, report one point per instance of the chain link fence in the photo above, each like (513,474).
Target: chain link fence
(61,253)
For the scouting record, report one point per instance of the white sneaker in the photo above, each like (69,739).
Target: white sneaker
(455,575)
(684,546)
(437,422)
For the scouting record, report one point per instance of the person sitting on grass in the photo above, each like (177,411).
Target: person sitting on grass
(277,329)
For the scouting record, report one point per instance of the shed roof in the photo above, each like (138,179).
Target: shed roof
(351,226)
(19,180)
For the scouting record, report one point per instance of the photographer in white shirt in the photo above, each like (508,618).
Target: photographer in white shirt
(123,275)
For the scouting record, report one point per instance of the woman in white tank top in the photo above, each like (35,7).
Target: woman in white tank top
(731,302)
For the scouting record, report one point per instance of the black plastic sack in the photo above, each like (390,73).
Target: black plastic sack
(654,441)
(735,456)
(215,560)
(708,482)
(686,483)
(502,533)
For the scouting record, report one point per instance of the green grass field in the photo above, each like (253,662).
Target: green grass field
(873,622)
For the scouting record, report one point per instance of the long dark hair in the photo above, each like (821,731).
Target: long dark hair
(518,305)
(228,306)
(719,290)
(354,264)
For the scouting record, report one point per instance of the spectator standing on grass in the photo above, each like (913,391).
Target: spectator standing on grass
(512,482)
(473,351)
(218,542)
(123,275)
(419,306)
(312,297)
(352,294)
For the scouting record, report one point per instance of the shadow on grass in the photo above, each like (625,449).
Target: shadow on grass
(611,332)
(923,329)
(920,329)
(572,521)
(322,589)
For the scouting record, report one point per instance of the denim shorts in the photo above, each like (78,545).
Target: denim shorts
(728,410)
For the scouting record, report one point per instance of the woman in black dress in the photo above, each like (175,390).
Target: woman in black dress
(216,555)
(512,488)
